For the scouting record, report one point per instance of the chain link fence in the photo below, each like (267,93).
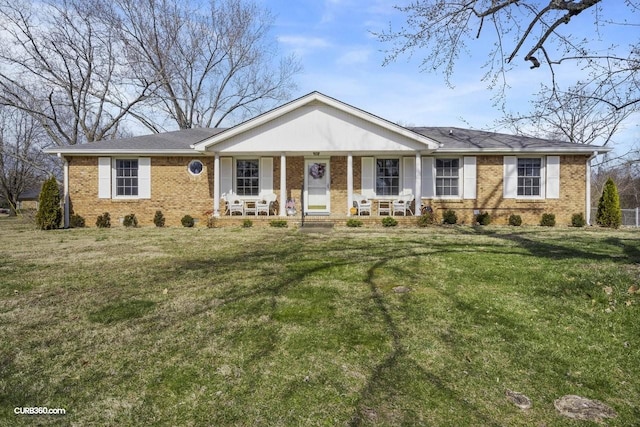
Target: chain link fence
(630,217)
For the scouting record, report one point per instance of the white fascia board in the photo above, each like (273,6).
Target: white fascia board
(585,150)
(313,97)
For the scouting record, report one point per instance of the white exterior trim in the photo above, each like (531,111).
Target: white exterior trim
(234,139)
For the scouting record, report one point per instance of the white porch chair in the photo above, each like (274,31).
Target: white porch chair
(403,204)
(265,203)
(362,203)
(235,206)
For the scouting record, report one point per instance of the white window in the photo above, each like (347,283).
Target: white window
(529,177)
(387,177)
(447,177)
(532,177)
(124,178)
(247,177)
(126,171)
(196,167)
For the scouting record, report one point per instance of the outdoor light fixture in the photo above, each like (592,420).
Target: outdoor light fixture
(316,153)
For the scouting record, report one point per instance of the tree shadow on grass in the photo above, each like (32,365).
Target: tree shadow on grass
(383,393)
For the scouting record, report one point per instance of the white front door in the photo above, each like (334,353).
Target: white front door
(317,186)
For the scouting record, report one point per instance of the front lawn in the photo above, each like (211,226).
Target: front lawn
(268,326)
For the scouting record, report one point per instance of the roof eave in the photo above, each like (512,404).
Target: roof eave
(542,150)
(125,152)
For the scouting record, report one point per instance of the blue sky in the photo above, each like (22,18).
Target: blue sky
(342,59)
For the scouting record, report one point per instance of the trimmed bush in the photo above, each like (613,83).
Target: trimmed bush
(449,217)
(515,220)
(609,212)
(352,222)
(548,220)
(187,221)
(389,222)
(76,221)
(158,219)
(278,223)
(247,223)
(49,214)
(483,218)
(104,221)
(130,221)
(577,220)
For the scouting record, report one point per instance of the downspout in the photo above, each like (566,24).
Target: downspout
(65,184)
(588,187)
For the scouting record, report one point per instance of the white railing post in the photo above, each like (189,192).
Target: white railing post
(637,217)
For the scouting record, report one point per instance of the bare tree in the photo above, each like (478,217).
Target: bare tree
(571,116)
(212,63)
(534,31)
(22,164)
(62,65)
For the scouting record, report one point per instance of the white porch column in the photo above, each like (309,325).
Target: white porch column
(283,184)
(349,183)
(418,201)
(216,185)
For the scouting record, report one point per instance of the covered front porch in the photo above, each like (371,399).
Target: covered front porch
(317,186)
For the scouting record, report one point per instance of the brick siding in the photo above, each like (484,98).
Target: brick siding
(176,192)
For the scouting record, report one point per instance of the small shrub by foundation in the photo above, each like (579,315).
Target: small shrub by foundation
(426,219)
(548,220)
(449,217)
(130,221)
(187,221)
(483,218)
(389,222)
(104,221)
(278,223)
(247,223)
(577,220)
(515,220)
(158,219)
(352,222)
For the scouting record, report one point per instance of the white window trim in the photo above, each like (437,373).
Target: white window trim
(374,165)
(114,179)
(265,176)
(543,178)
(460,178)
(192,162)
(234,177)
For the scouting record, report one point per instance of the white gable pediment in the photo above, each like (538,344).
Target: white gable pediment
(319,125)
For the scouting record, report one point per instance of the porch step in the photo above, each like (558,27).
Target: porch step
(317,214)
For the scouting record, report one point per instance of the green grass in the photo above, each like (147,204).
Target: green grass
(196,326)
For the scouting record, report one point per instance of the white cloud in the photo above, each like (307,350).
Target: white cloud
(303,45)
(354,57)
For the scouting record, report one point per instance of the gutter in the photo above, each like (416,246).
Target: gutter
(588,187)
(66,205)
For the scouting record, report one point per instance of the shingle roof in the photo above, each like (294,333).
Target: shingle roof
(168,141)
(458,140)
(451,140)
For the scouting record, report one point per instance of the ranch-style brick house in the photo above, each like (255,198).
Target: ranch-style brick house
(317,156)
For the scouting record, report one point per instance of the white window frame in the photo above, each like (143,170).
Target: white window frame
(542,184)
(375,175)
(114,178)
(235,176)
(460,178)
(510,179)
